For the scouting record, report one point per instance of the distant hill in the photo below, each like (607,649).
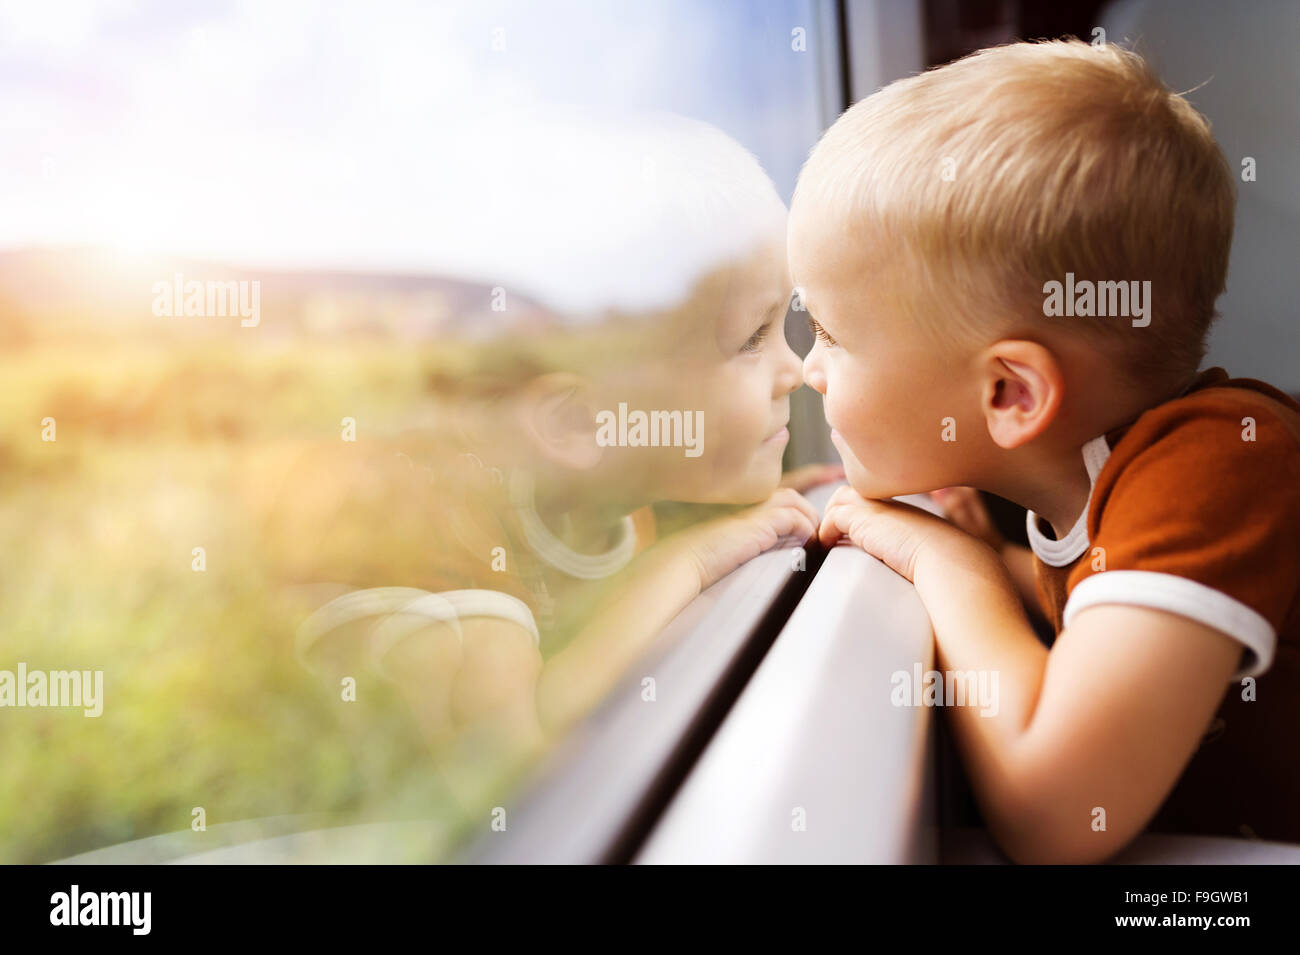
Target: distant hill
(92,292)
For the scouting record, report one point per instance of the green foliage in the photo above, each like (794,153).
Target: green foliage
(160,450)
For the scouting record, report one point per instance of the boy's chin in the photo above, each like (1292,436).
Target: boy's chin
(754,487)
(874,486)
(755,492)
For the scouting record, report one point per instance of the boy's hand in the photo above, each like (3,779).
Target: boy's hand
(658,584)
(900,535)
(719,546)
(965,508)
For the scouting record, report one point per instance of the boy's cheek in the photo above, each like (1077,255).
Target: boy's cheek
(883,471)
(860,478)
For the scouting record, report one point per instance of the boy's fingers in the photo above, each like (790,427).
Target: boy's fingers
(853,519)
(828,533)
(845,495)
(794,517)
(787,497)
(837,525)
(800,523)
(838,522)
(810,512)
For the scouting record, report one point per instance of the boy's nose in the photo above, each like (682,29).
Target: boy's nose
(790,375)
(813,376)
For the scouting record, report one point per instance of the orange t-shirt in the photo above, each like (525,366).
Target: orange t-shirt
(1195,510)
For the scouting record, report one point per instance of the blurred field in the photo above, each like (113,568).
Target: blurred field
(160,448)
(177,433)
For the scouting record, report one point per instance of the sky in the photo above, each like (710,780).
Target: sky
(370,135)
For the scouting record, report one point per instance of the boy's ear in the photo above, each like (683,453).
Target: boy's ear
(1022,391)
(558,417)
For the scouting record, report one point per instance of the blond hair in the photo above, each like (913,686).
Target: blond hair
(1015,165)
(610,212)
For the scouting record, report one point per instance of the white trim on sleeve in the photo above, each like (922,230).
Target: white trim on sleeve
(1189,598)
(351,606)
(492,603)
(406,610)
(450,606)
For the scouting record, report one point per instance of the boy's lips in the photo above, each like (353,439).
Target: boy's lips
(778,435)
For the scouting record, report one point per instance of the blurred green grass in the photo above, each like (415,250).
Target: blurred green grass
(159,450)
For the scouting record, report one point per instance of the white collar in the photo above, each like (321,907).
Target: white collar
(1068,549)
(559,554)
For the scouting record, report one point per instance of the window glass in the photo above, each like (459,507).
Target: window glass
(336,341)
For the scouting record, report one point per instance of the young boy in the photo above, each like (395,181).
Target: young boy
(505,596)
(1011,264)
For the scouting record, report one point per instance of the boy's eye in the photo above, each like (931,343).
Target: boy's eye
(756,340)
(820,332)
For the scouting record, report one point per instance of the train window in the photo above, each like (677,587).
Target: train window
(404,445)
(310,317)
